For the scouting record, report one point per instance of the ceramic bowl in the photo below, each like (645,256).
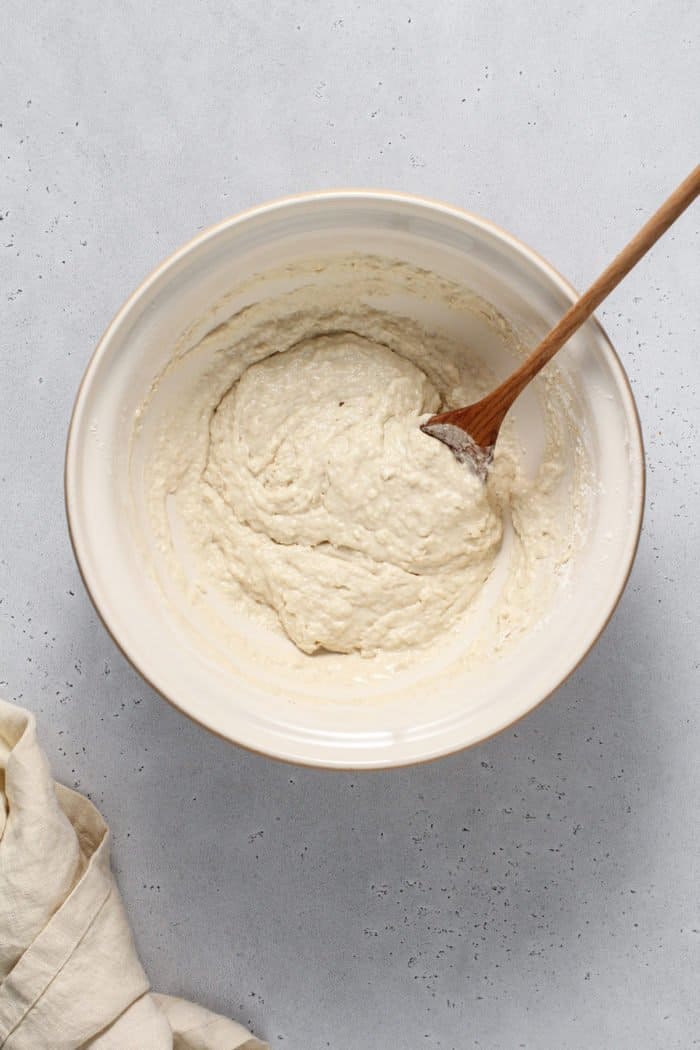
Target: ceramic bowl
(246,695)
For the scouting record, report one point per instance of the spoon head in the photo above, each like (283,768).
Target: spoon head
(464,449)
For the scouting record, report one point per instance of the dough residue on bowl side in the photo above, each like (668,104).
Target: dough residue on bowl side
(306,495)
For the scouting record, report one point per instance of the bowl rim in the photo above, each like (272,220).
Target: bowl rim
(267,207)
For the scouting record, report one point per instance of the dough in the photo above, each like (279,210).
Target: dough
(288,485)
(329,504)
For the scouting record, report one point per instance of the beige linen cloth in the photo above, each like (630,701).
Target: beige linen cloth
(69,973)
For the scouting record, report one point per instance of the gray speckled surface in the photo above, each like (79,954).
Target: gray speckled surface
(540,891)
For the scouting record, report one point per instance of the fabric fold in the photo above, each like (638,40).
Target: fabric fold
(70,976)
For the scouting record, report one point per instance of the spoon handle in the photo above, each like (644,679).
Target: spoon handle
(504,395)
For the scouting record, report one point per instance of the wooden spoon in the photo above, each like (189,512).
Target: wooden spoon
(471,432)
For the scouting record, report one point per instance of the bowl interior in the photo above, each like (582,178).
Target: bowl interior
(259,692)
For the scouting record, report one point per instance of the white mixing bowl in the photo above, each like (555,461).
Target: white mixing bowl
(427,710)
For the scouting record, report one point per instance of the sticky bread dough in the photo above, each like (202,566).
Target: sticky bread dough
(326,501)
(269,504)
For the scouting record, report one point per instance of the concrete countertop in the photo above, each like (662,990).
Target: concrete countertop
(539,891)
